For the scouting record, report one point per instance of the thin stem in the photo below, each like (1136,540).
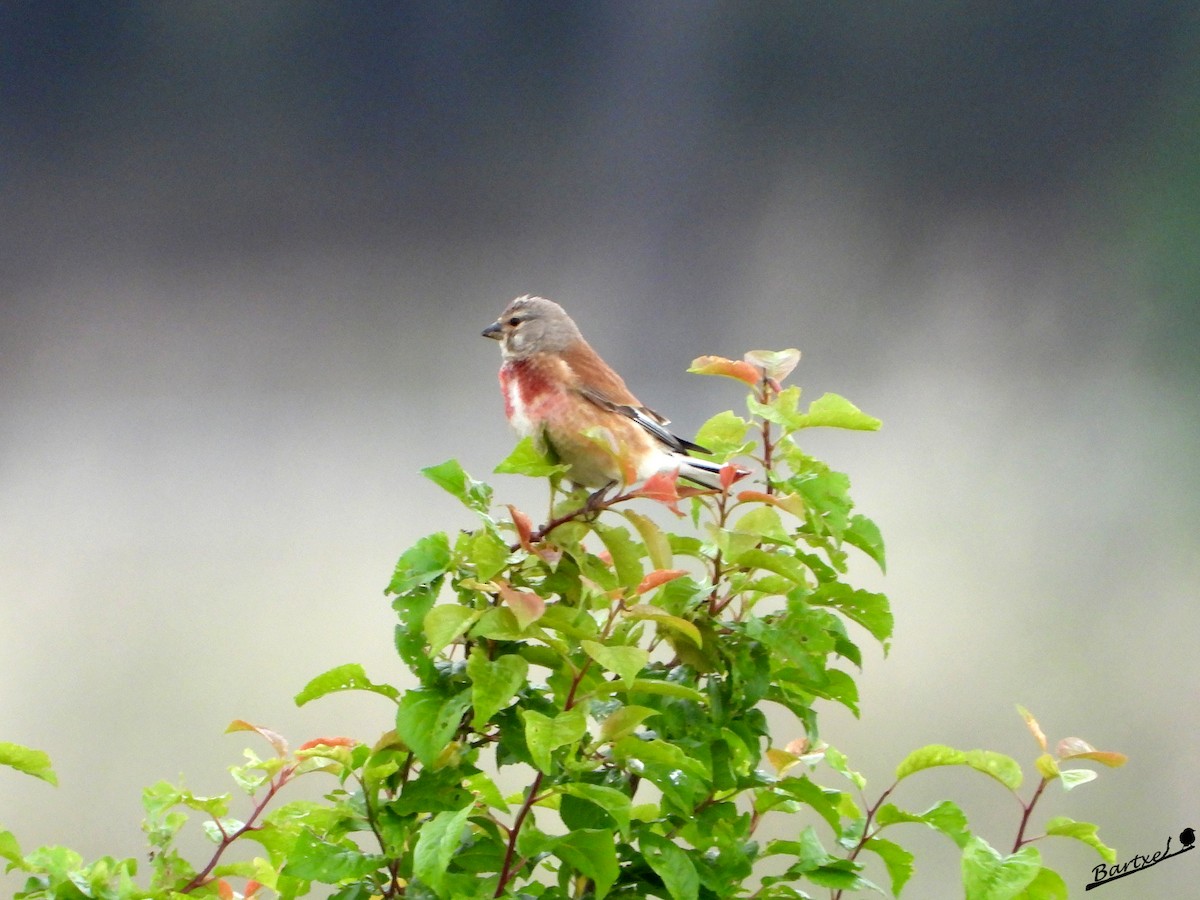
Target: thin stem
(768,447)
(276,783)
(506,871)
(1026,811)
(866,832)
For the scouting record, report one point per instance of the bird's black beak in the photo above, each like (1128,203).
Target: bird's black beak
(493,331)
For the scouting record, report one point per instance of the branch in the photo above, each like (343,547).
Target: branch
(1026,811)
(506,871)
(201,877)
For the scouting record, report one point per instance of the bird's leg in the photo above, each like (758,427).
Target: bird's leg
(595,500)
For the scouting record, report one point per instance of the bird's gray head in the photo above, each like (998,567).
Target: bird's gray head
(532,325)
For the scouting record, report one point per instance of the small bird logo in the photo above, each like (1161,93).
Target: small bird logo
(559,391)
(1187,837)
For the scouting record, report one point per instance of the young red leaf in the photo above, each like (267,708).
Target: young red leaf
(525,605)
(1034,728)
(657,577)
(524,526)
(730,368)
(663,487)
(731,473)
(277,741)
(327,742)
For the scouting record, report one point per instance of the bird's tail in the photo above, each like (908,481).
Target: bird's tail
(705,473)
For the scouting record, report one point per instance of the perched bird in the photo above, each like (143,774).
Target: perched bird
(558,390)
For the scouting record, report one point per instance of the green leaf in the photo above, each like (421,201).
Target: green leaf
(443,624)
(724,435)
(626,662)
(624,721)
(488,552)
(865,535)
(432,791)
(833,411)
(592,853)
(945,817)
(626,555)
(667,689)
(1073,778)
(527,459)
(989,876)
(662,753)
(615,803)
(1084,832)
(27,760)
(494,682)
(1047,766)
(672,864)
(313,859)
(451,477)
(427,719)
(764,522)
(438,840)
(868,609)
(543,735)
(421,563)
(658,548)
(1048,885)
(486,791)
(778,562)
(1003,768)
(11,850)
(411,609)
(665,620)
(837,761)
(899,862)
(347,677)
(781,409)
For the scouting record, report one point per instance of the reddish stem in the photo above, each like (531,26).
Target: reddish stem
(1026,811)
(201,877)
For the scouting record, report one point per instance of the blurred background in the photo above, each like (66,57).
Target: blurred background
(248,249)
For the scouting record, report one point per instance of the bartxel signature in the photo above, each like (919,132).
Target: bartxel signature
(1104,874)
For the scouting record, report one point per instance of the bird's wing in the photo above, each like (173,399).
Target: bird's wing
(646,417)
(599,384)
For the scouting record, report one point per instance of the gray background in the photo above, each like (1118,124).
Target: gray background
(248,249)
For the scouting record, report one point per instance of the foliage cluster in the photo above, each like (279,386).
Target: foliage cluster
(616,676)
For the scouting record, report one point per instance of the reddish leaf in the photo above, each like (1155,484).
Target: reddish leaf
(224,891)
(252,887)
(731,473)
(662,486)
(755,497)
(524,526)
(1078,748)
(657,577)
(730,368)
(525,605)
(1034,728)
(278,741)
(328,742)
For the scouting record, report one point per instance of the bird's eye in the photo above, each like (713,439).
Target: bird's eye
(514,321)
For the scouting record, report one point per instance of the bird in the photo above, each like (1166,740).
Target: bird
(559,391)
